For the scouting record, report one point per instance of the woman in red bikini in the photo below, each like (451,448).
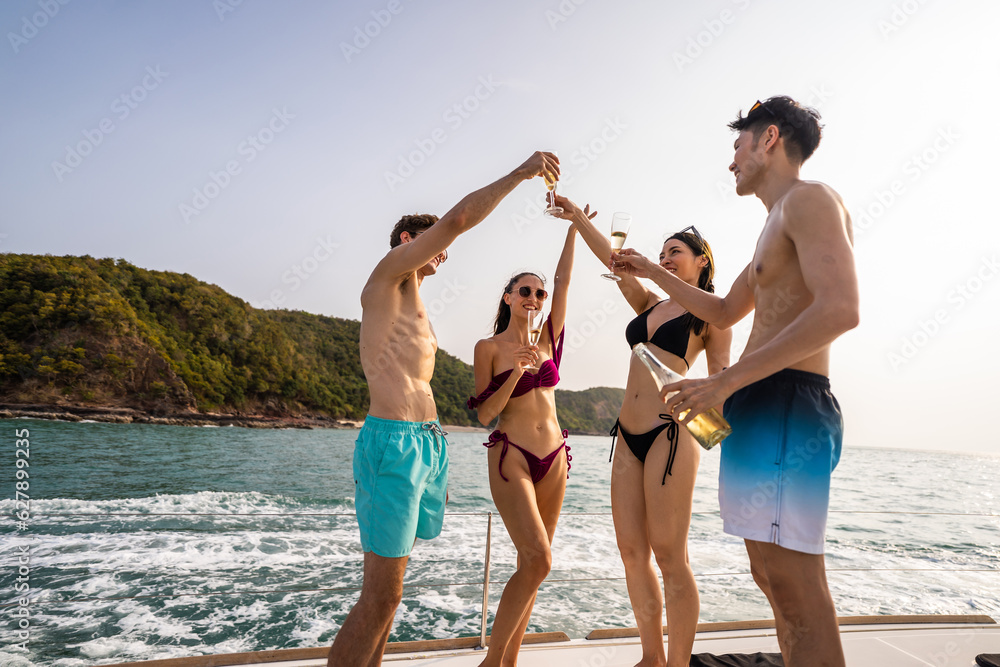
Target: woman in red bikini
(529,459)
(652,479)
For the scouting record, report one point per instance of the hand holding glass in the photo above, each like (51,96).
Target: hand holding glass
(550,183)
(535,322)
(620,223)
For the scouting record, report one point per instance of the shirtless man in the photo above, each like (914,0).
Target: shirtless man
(774,476)
(401,456)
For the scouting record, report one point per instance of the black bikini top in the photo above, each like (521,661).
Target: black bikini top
(671,336)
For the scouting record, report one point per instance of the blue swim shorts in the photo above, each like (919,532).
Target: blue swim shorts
(400,484)
(774,474)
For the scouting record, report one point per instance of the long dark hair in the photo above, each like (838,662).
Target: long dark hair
(699,247)
(502,320)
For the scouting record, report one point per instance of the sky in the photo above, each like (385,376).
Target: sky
(269,147)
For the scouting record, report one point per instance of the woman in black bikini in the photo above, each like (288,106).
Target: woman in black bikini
(652,479)
(528,456)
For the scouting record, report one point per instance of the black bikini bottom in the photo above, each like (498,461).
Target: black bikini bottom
(640,443)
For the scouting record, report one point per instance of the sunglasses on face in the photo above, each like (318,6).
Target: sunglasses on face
(525,292)
(443,255)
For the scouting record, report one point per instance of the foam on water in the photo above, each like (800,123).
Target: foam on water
(228,580)
(14,660)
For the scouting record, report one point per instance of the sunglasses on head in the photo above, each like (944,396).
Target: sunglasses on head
(691,229)
(525,292)
(760,105)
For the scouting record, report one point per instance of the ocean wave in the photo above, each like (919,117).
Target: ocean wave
(224,569)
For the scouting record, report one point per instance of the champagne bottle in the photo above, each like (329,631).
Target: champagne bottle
(709,428)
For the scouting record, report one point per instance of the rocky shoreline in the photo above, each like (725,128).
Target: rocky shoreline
(118,415)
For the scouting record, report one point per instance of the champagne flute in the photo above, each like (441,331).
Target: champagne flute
(550,183)
(620,223)
(535,322)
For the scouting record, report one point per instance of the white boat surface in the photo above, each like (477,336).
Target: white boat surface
(869,641)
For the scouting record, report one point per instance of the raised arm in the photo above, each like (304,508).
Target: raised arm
(634,292)
(723,312)
(560,284)
(465,215)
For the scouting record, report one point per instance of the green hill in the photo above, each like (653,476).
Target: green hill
(105,332)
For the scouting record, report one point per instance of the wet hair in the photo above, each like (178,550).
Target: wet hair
(699,247)
(798,125)
(502,320)
(418,222)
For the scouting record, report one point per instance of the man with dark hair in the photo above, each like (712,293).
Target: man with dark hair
(798,125)
(401,456)
(410,223)
(774,473)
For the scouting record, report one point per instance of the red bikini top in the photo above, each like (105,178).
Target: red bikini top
(547,375)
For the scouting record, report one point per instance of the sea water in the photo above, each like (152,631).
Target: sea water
(149,542)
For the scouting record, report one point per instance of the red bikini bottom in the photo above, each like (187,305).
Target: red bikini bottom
(536,466)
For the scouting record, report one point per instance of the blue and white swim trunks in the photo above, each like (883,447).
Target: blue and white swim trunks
(774,474)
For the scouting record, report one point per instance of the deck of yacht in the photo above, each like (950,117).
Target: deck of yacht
(869,641)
